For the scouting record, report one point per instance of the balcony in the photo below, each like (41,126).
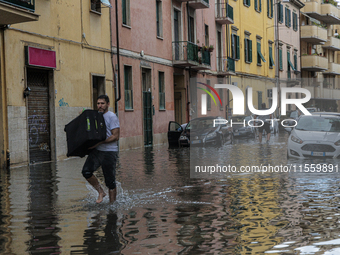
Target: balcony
(203,60)
(17,11)
(224,13)
(333,69)
(326,13)
(199,4)
(184,54)
(333,43)
(225,66)
(322,93)
(313,34)
(314,63)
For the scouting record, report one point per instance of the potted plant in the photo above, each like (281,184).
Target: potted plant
(211,48)
(204,47)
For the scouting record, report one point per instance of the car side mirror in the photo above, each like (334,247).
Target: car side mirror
(289,130)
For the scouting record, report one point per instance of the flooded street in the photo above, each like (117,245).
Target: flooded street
(50,209)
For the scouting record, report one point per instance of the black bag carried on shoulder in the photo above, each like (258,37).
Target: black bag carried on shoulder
(85,131)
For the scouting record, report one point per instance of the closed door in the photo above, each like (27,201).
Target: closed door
(147,108)
(38,116)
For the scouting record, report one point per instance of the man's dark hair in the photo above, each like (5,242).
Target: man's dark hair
(105,97)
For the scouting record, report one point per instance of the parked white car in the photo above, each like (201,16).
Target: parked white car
(315,136)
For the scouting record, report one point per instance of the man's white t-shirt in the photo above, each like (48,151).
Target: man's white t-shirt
(111,122)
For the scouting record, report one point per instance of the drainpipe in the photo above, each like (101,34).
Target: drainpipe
(118,61)
(277,67)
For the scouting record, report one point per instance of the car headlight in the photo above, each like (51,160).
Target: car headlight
(296,139)
(183,137)
(211,135)
(337,143)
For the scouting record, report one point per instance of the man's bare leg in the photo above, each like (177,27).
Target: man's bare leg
(112,195)
(95,184)
(268,137)
(260,137)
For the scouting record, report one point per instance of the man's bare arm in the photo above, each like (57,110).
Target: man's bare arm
(114,137)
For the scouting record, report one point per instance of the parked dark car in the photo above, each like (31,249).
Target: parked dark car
(243,130)
(200,131)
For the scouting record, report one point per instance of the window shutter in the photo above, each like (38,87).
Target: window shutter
(250,51)
(268,8)
(281,13)
(233,55)
(288,59)
(237,46)
(271,8)
(246,58)
(295,61)
(255,4)
(286,16)
(248,2)
(289,18)
(270,57)
(280,58)
(260,5)
(124,11)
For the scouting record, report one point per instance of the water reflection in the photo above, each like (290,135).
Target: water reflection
(49,209)
(43,219)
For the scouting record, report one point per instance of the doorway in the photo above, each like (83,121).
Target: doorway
(147,107)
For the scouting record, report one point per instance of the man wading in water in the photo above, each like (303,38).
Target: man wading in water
(105,153)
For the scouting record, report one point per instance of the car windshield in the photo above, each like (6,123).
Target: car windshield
(200,124)
(321,124)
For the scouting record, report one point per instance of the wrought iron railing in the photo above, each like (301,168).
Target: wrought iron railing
(224,10)
(184,51)
(225,64)
(26,4)
(205,57)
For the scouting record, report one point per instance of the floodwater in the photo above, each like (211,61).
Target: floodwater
(49,208)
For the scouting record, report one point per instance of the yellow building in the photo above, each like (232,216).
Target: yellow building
(251,45)
(50,70)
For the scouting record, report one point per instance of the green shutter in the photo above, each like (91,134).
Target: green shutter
(295,61)
(233,53)
(281,13)
(289,18)
(250,46)
(286,17)
(237,47)
(260,5)
(246,58)
(248,2)
(280,59)
(288,59)
(268,8)
(124,11)
(255,4)
(271,8)
(271,61)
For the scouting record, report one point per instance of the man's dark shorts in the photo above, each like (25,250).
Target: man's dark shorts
(106,159)
(266,126)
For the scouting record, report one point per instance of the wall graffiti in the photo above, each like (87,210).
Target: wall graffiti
(62,103)
(37,126)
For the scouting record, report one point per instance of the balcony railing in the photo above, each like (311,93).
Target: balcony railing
(313,34)
(27,4)
(225,65)
(224,13)
(203,60)
(333,43)
(184,53)
(327,13)
(314,63)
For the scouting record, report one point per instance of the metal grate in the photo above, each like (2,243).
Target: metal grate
(318,148)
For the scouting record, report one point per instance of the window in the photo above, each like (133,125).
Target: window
(259,54)
(271,59)
(235,46)
(280,58)
(98,88)
(161,90)
(287,18)
(248,50)
(258,5)
(259,100)
(280,13)
(208,98)
(206,35)
(126,12)
(246,2)
(128,87)
(159,18)
(96,6)
(295,25)
(295,60)
(191,30)
(270,8)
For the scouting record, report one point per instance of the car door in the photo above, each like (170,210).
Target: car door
(174,132)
